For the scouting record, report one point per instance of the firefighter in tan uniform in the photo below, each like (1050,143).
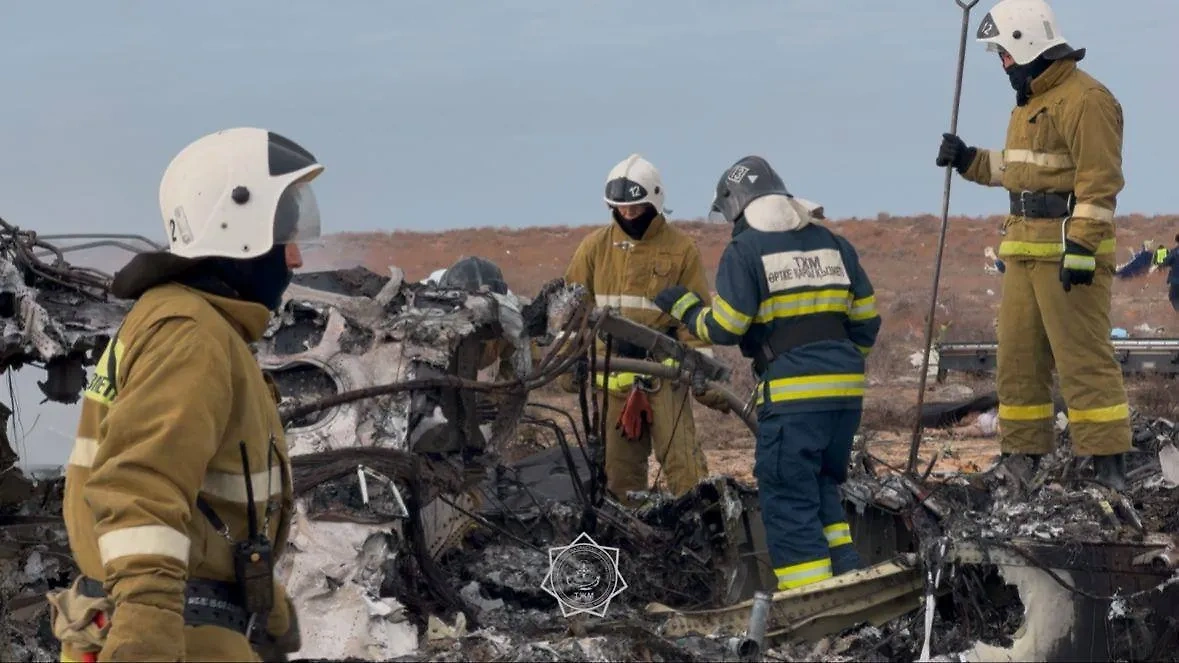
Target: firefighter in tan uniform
(624,265)
(1062,165)
(175,542)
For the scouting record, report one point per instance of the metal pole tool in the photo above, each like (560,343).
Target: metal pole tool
(915,443)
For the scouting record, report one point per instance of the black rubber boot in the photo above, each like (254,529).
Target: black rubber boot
(1111,471)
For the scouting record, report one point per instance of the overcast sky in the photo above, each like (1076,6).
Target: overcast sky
(438,114)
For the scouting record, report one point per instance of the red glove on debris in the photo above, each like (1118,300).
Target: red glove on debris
(635,414)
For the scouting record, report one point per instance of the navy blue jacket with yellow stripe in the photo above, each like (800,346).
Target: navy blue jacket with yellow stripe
(798,287)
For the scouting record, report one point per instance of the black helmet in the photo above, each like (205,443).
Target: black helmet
(742,183)
(473,274)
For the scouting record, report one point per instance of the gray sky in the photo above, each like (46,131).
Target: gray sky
(438,114)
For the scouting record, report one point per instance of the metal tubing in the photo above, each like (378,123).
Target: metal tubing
(915,443)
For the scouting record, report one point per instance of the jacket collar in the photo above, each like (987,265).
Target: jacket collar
(1054,75)
(248,318)
(656,227)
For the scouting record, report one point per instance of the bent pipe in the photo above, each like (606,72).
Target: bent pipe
(655,369)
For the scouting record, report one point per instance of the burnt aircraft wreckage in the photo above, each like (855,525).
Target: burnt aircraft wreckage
(424,532)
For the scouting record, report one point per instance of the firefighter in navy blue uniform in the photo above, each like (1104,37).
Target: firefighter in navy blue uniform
(793,296)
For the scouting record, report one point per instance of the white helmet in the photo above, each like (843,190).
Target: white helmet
(238,192)
(634,181)
(1026,29)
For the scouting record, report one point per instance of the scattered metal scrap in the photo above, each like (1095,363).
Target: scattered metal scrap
(1135,355)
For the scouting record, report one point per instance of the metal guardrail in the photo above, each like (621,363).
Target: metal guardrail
(1135,355)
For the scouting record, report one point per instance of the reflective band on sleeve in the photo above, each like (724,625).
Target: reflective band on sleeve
(803,303)
(1046,249)
(1099,415)
(797,575)
(998,165)
(729,318)
(1081,263)
(82,455)
(863,309)
(702,325)
(843,385)
(683,304)
(143,540)
(838,534)
(1091,211)
(1025,412)
(626,301)
(232,487)
(1041,159)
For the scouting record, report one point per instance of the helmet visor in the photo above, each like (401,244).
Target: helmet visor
(296,218)
(715,215)
(622,191)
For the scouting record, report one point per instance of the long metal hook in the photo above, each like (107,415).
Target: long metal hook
(915,442)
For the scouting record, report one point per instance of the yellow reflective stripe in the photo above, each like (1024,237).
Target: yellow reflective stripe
(804,303)
(144,540)
(1091,211)
(1025,412)
(729,318)
(702,326)
(839,385)
(1086,263)
(838,534)
(82,455)
(1046,249)
(682,305)
(797,575)
(618,382)
(1041,159)
(67,659)
(626,301)
(1099,415)
(101,388)
(998,165)
(864,349)
(863,309)
(232,487)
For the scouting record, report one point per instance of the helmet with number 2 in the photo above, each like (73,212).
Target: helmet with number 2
(634,181)
(237,193)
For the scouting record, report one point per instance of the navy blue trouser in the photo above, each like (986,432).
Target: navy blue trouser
(802,458)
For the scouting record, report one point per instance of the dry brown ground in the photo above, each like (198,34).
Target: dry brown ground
(898,254)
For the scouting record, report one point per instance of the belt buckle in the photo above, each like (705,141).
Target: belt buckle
(1023,203)
(646,383)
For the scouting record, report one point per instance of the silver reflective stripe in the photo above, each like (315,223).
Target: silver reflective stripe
(1041,159)
(232,487)
(808,387)
(626,301)
(82,455)
(143,540)
(1091,211)
(998,165)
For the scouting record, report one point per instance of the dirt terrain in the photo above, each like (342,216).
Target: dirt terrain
(897,252)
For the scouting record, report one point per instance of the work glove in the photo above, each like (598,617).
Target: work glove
(1077,265)
(676,301)
(713,399)
(954,152)
(636,414)
(141,632)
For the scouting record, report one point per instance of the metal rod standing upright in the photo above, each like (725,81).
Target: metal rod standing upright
(915,443)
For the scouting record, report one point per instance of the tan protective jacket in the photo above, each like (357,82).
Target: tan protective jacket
(627,274)
(1067,138)
(165,428)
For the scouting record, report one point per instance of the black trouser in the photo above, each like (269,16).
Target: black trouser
(1173,295)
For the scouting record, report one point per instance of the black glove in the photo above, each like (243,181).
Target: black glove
(954,152)
(1077,265)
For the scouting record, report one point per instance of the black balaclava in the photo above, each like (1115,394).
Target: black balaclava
(261,280)
(637,227)
(1022,75)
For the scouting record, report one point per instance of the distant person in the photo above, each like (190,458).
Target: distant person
(1167,258)
(624,265)
(1062,164)
(795,298)
(158,505)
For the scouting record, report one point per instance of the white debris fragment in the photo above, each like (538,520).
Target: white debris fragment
(436,629)
(916,358)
